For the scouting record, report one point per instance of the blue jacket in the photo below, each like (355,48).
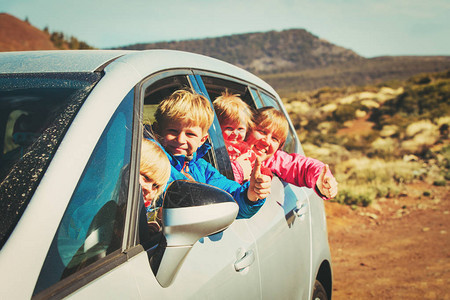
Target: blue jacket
(204,172)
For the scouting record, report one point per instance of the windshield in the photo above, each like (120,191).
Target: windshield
(35,112)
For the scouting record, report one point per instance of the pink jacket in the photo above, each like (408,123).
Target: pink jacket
(292,168)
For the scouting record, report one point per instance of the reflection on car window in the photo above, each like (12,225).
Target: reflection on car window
(35,111)
(93,224)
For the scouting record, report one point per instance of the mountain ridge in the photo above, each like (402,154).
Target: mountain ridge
(264,52)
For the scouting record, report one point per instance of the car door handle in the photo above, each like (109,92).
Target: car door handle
(301,209)
(245,261)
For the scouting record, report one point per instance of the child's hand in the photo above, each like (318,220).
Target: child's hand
(259,184)
(246,165)
(327,184)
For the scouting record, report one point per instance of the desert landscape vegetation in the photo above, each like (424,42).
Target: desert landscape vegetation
(383,126)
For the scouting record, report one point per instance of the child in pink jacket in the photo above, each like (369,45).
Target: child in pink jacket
(262,134)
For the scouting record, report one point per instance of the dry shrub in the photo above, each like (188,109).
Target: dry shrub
(384,147)
(362,180)
(328,153)
(423,126)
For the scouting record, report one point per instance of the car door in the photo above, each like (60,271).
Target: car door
(290,229)
(86,256)
(282,226)
(221,266)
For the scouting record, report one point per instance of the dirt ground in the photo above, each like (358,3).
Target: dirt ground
(398,248)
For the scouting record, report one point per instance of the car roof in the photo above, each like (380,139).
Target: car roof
(55,61)
(144,62)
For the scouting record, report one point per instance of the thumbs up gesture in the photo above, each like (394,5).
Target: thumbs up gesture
(327,184)
(259,184)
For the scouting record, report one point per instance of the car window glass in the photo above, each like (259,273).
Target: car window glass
(256,97)
(93,223)
(269,101)
(289,145)
(35,112)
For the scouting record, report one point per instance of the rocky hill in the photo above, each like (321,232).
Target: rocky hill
(265,52)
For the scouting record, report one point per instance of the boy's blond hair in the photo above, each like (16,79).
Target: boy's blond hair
(184,106)
(231,108)
(155,164)
(270,117)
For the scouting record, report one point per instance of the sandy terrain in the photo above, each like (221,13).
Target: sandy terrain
(394,249)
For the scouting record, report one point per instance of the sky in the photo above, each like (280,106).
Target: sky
(369,27)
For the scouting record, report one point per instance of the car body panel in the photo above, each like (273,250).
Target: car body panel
(208,270)
(283,242)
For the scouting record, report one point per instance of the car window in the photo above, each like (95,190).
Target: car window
(35,112)
(216,86)
(93,223)
(269,101)
(159,88)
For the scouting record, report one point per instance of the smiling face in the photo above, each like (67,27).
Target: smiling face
(264,142)
(154,170)
(234,132)
(180,139)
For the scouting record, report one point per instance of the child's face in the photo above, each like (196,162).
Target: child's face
(149,187)
(264,142)
(234,133)
(179,139)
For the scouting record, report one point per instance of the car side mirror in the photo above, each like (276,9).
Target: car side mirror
(191,210)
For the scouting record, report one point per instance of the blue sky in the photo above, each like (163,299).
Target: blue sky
(368,27)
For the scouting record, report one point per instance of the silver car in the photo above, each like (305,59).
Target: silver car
(72,221)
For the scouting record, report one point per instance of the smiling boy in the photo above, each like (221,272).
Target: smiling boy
(181,124)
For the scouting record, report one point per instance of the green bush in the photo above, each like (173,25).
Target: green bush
(358,198)
(440,183)
(344,113)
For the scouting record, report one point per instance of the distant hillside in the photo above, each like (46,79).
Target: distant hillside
(266,52)
(17,35)
(378,138)
(359,73)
